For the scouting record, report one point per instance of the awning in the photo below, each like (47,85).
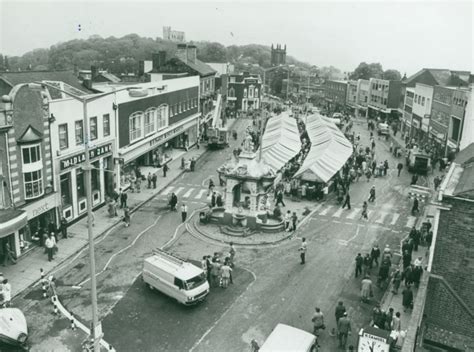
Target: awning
(11,220)
(329,151)
(281,141)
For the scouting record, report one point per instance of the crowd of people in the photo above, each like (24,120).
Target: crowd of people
(219,267)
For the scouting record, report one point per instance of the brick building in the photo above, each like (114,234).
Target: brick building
(244,92)
(335,95)
(448,313)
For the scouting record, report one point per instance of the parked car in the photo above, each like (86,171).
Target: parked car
(13,328)
(286,338)
(382,129)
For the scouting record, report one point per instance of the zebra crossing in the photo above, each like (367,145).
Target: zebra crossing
(376,216)
(196,193)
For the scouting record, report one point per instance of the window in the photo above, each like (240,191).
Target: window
(33,182)
(31,154)
(135,126)
(93,128)
(231,92)
(81,191)
(95,176)
(179,107)
(455,127)
(385,101)
(245,93)
(189,104)
(256,92)
(423,101)
(79,132)
(150,121)
(162,116)
(63,143)
(172,110)
(65,182)
(428,101)
(106,124)
(251,92)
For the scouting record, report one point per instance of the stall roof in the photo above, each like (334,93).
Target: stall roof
(281,141)
(329,151)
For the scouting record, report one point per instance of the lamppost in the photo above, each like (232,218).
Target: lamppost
(87,172)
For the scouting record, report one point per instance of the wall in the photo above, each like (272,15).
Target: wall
(441,111)
(453,260)
(468,128)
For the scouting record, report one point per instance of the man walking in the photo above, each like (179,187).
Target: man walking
(165,169)
(344,330)
(148,178)
(123,199)
(294,221)
(359,260)
(50,243)
(302,250)
(375,254)
(399,168)
(184,212)
(364,215)
(415,207)
(318,321)
(279,198)
(340,310)
(347,201)
(372,194)
(64,227)
(126,216)
(153,180)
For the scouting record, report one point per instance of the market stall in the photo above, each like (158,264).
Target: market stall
(329,151)
(281,141)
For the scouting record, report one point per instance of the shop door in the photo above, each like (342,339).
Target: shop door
(10,240)
(108,176)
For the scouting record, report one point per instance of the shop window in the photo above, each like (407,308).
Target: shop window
(179,108)
(189,104)
(95,176)
(162,116)
(135,126)
(455,127)
(79,132)
(81,191)
(31,154)
(232,92)
(245,93)
(150,121)
(33,182)
(63,141)
(172,110)
(93,128)
(65,184)
(106,124)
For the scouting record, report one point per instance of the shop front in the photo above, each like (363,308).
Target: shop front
(157,150)
(42,217)
(12,224)
(72,180)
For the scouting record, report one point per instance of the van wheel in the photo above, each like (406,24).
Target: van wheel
(151,287)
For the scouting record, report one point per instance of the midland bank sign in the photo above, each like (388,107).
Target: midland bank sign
(81,157)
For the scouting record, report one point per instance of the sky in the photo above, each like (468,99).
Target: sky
(402,35)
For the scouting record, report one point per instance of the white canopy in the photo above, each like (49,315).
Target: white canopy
(329,151)
(281,141)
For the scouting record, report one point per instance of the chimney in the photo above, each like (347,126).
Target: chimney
(94,72)
(87,83)
(181,52)
(155,58)
(192,53)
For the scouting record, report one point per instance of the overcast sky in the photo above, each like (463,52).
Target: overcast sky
(403,35)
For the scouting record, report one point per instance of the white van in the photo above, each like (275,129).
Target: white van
(175,277)
(285,338)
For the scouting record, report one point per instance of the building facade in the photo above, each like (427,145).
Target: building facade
(29,200)
(173,35)
(67,145)
(384,99)
(278,55)
(351,97)
(363,88)
(421,112)
(335,95)
(244,92)
(407,116)
(468,126)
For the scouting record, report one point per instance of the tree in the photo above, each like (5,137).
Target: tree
(211,52)
(392,75)
(367,71)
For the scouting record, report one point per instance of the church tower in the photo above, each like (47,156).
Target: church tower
(278,55)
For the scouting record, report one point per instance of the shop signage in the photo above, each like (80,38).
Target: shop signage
(166,135)
(80,158)
(416,123)
(41,206)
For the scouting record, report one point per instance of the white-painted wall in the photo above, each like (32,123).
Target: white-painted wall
(468,128)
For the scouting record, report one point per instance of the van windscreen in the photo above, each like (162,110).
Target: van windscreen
(195,281)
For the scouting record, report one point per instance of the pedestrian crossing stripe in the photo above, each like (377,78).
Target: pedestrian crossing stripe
(382,216)
(411,221)
(326,210)
(338,213)
(200,194)
(395,217)
(188,193)
(168,190)
(354,213)
(178,190)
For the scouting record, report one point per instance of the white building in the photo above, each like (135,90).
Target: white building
(422,100)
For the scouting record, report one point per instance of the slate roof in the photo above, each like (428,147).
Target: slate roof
(68,77)
(444,77)
(200,67)
(30,135)
(110,77)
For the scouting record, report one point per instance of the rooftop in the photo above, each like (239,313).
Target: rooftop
(459,181)
(200,67)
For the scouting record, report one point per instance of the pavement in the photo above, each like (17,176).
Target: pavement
(26,271)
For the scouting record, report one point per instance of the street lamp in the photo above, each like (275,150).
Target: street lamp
(87,172)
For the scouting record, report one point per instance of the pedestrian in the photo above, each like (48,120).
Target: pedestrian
(165,169)
(126,216)
(204,263)
(367,264)
(415,207)
(383,272)
(231,254)
(318,321)
(375,254)
(213,200)
(138,183)
(358,266)
(364,215)
(366,289)
(225,271)
(344,330)
(215,270)
(372,194)
(388,319)
(8,254)
(406,258)
(436,182)
(385,167)
(279,198)
(347,201)
(211,187)
(396,322)
(209,267)
(399,168)
(377,317)
(173,201)
(287,220)
(50,243)
(123,199)
(302,250)
(6,293)
(407,300)
(340,310)
(396,280)
(153,180)
(63,227)
(294,221)
(184,212)
(414,179)
(149,178)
